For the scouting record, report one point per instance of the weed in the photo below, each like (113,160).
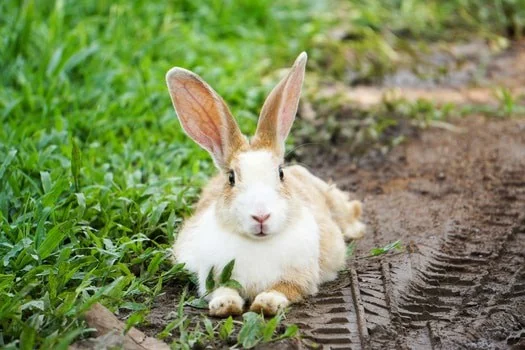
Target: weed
(386,249)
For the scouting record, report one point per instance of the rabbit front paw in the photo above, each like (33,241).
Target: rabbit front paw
(226,302)
(269,303)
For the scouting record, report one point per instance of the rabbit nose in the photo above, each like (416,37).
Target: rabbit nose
(261,218)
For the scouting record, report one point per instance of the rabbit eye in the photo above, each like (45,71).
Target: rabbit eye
(281,173)
(231,177)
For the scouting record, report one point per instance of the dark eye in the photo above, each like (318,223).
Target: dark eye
(281,173)
(231,177)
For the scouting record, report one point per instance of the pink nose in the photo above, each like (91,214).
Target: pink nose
(260,218)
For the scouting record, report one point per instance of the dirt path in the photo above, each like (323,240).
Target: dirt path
(458,202)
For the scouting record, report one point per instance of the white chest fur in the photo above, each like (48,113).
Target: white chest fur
(258,263)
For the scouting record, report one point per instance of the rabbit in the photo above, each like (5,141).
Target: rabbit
(284,227)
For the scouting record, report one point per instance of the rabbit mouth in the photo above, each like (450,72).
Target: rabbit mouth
(261,232)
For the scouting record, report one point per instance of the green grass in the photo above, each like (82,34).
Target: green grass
(95,173)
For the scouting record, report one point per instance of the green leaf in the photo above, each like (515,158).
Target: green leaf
(227,272)
(290,332)
(210,281)
(251,330)
(226,328)
(7,161)
(68,338)
(81,201)
(350,248)
(80,56)
(27,338)
(154,265)
(22,244)
(75,164)
(133,320)
(270,328)
(198,303)
(156,214)
(383,250)
(133,306)
(171,326)
(6,281)
(52,240)
(232,284)
(33,304)
(209,327)
(46,181)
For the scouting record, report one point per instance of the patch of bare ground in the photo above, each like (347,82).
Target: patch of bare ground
(457,201)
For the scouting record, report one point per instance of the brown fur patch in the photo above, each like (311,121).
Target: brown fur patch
(292,291)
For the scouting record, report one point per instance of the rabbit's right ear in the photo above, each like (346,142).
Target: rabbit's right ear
(204,116)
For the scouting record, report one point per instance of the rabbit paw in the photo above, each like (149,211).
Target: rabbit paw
(226,302)
(269,303)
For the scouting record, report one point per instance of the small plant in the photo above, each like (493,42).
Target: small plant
(387,248)
(225,280)
(350,248)
(508,104)
(255,329)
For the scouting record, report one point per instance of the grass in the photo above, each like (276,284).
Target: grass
(95,173)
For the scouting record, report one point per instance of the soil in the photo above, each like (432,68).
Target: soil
(457,202)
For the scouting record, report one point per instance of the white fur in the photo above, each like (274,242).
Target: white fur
(257,193)
(259,263)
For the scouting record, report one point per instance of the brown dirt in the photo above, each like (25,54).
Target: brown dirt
(457,201)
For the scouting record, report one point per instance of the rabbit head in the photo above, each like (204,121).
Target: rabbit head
(254,199)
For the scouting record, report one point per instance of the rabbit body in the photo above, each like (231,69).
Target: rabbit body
(284,227)
(204,244)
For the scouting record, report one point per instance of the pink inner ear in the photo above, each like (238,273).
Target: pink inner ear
(290,101)
(193,104)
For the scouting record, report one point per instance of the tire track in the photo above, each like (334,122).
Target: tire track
(463,285)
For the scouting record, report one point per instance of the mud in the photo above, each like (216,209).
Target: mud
(457,202)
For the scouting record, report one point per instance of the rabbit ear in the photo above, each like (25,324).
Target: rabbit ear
(279,109)
(204,116)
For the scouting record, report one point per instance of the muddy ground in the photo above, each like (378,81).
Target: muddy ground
(457,201)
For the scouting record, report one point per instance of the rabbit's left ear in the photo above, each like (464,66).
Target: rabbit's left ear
(279,109)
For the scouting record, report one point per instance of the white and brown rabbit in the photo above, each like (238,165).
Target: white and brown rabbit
(284,227)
